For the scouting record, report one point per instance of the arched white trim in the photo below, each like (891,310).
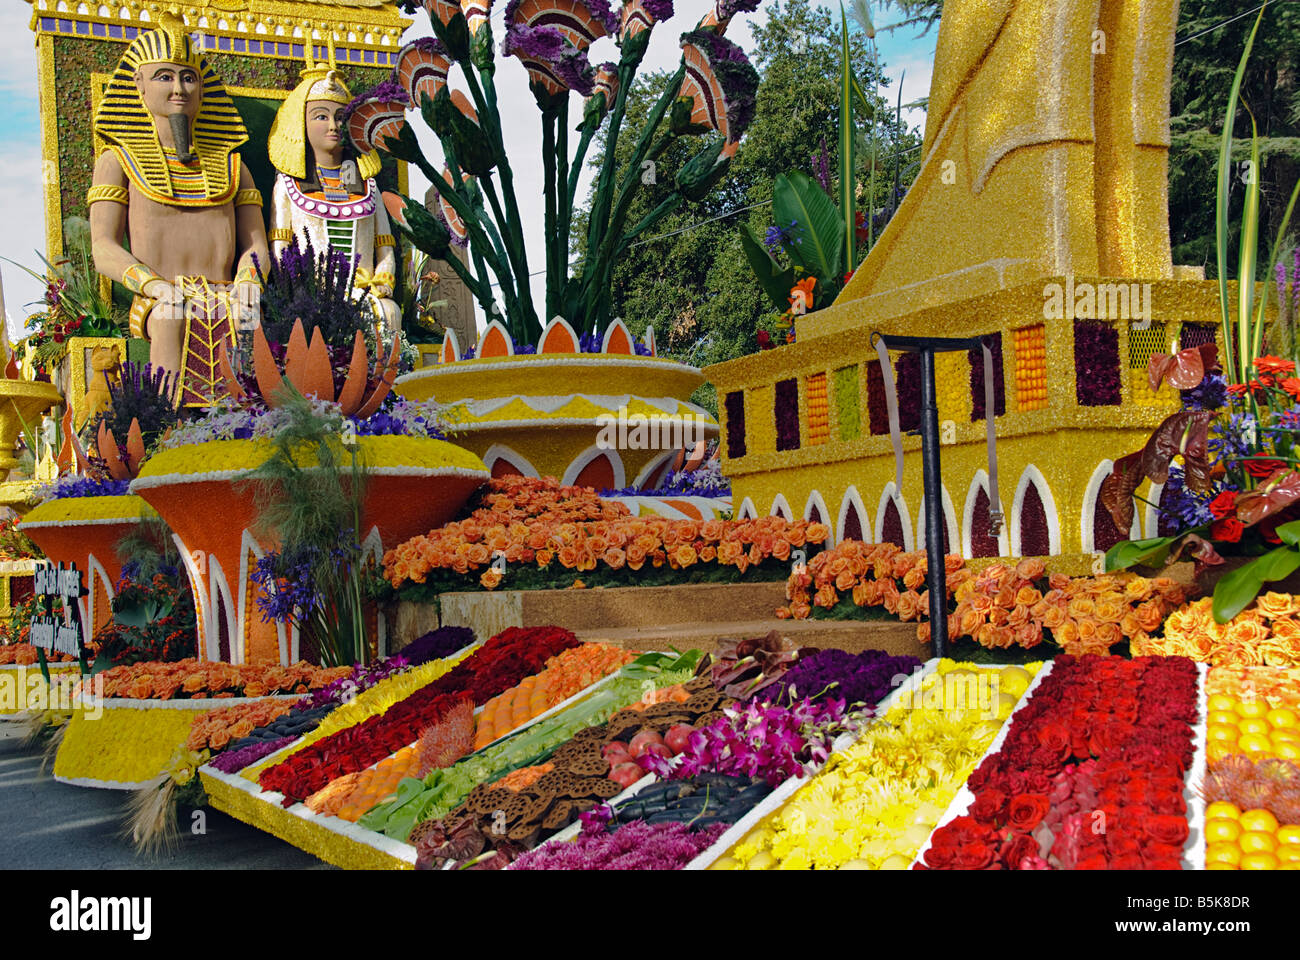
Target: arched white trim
(587,456)
(1088,512)
(1035,476)
(95,568)
(652,467)
(781,508)
(1152,519)
(746,510)
(980,482)
(211,649)
(949,518)
(815,500)
(854,499)
(219,597)
(499,451)
(886,495)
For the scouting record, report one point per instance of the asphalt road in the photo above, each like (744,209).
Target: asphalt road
(49,825)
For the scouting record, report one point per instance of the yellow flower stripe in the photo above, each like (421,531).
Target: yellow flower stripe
(875,804)
(320,842)
(72,510)
(383,451)
(122,746)
(369,703)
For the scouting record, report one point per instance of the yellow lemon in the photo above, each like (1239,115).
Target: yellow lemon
(1258,821)
(1221,701)
(895,862)
(1222,717)
(1256,841)
(761,861)
(1288,835)
(1222,733)
(1228,853)
(1255,745)
(1283,717)
(1252,708)
(1222,809)
(725,863)
(916,834)
(1221,830)
(861,865)
(1253,725)
(1259,861)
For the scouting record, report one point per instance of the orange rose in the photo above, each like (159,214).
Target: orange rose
(1111,608)
(708,553)
(254,689)
(1066,634)
(845,581)
(1247,633)
(1028,596)
(914,578)
(685,555)
(1081,607)
(1149,616)
(1108,634)
(1059,581)
(1087,629)
(1031,568)
(1273,605)
(568,557)
(796,536)
(490,578)
(800,611)
(817,533)
(635,556)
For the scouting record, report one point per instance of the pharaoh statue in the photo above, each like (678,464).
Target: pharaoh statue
(327,196)
(169,180)
(1045,153)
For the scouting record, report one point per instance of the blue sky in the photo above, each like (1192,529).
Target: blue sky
(21,191)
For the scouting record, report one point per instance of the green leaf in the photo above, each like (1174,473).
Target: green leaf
(1290,533)
(1278,564)
(1249,249)
(797,198)
(1130,553)
(1235,591)
(776,282)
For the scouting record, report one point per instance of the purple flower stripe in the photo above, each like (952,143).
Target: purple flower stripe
(233,762)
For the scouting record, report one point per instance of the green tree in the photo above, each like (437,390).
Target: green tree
(1205,58)
(690,279)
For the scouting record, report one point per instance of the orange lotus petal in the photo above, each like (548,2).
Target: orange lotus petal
(264,368)
(295,357)
(355,385)
(134,447)
(108,451)
(228,373)
(385,382)
(317,379)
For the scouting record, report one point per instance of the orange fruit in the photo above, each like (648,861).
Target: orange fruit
(1253,725)
(1259,861)
(1255,745)
(1222,809)
(1221,701)
(1219,717)
(1252,708)
(1228,853)
(1259,821)
(1256,841)
(1288,835)
(1283,718)
(1221,733)
(1221,830)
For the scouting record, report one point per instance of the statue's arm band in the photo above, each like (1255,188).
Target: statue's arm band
(107,191)
(137,277)
(248,197)
(385,240)
(281,234)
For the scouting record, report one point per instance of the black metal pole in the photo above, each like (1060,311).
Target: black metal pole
(936,574)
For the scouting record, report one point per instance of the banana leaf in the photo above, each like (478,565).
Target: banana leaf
(819,247)
(776,282)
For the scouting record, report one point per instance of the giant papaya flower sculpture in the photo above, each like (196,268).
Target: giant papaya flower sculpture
(712,92)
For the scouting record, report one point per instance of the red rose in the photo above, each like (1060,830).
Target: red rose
(1227,530)
(1165,828)
(1096,861)
(1028,810)
(939,858)
(1054,738)
(988,806)
(1018,848)
(973,856)
(1262,468)
(1224,504)
(1128,861)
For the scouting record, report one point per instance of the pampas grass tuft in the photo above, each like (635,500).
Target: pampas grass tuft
(151,817)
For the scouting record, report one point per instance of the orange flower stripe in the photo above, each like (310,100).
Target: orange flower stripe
(25,655)
(1265,634)
(537,521)
(199,679)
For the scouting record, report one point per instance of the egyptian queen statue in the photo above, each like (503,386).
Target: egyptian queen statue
(325,195)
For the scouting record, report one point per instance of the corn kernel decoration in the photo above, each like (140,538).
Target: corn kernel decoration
(819,416)
(1031,368)
(952,386)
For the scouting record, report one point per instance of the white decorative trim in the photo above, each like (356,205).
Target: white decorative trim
(449,343)
(652,467)
(211,644)
(709,507)
(220,588)
(1152,519)
(747,510)
(146,483)
(853,499)
(600,360)
(949,519)
(499,451)
(104,784)
(1033,475)
(580,462)
(558,323)
(815,500)
(497,325)
(781,508)
(1087,514)
(981,482)
(609,335)
(597,421)
(326,210)
(888,494)
(649,340)
(670,406)
(101,522)
(207,703)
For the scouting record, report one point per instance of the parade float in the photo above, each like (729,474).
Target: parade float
(1075,671)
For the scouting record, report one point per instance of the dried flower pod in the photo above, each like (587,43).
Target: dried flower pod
(698,685)
(525,833)
(702,702)
(559,816)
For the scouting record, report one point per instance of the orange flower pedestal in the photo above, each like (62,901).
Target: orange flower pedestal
(417,483)
(85,531)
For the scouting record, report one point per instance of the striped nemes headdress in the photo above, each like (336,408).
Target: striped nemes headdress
(125,124)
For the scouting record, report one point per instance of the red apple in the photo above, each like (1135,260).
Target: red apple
(641,741)
(653,750)
(626,774)
(617,755)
